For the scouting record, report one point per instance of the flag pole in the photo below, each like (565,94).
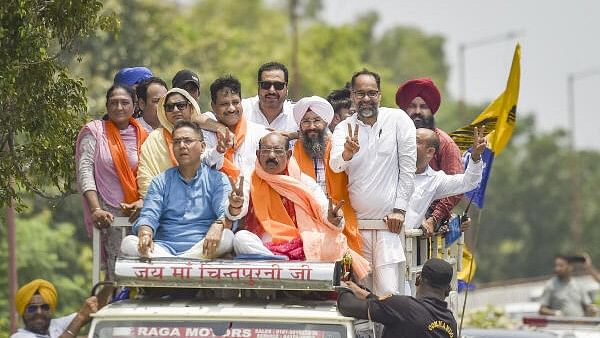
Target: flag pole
(462,315)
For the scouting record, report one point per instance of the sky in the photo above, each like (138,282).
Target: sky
(557,39)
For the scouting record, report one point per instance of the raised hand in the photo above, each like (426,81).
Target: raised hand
(351,146)
(334,212)
(479,143)
(236,196)
(225,139)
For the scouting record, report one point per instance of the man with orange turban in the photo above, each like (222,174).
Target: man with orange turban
(36,304)
(421,99)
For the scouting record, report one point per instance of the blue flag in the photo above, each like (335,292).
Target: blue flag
(478,194)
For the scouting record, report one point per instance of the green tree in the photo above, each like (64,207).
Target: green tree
(41,106)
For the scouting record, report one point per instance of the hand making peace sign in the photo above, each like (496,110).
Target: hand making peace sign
(351,146)
(479,143)
(334,212)
(236,196)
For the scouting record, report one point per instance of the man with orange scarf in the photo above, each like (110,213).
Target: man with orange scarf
(239,160)
(311,151)
(288,213)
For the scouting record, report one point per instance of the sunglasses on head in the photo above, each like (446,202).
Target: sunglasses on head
(181,105)
(34,308)
(266,85)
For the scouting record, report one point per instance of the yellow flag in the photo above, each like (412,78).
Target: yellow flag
(499,117)
(469,266)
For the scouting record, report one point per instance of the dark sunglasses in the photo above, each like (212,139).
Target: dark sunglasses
(34,308)
(181,105)
(266,85)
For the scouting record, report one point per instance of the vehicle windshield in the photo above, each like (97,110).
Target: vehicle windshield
(195,329)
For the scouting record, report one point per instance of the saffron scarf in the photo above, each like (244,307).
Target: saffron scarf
(322,240)
(337,189)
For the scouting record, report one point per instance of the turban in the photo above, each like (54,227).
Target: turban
(41,286)
(131,76)
(317,105)
(423,87)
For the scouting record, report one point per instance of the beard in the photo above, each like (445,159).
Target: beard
(367,111)
(314,145)
(425,122)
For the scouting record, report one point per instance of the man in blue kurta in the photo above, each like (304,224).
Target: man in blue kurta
(186,207)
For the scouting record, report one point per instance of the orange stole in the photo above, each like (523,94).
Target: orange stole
(169,139)
(337,189)
(127,176)
(229,168)
(270,211)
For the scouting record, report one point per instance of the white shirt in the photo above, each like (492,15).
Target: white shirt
(57,327)
(284,121)
(432,185)
(381,174)
(245,155)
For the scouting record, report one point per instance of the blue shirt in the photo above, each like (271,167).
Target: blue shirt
(179,212)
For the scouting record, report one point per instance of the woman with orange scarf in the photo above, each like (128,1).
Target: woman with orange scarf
(107,159)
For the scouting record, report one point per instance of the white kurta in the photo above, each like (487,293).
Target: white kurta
(380,178)
(283,122)
(432,185)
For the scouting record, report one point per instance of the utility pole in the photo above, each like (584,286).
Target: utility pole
(575,214)
(295,87)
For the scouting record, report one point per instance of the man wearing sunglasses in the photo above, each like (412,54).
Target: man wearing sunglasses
(270,107)
(36,304)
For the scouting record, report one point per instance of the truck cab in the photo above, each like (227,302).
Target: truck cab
(181,297)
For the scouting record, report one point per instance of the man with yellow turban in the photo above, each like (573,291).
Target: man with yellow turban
(36,304)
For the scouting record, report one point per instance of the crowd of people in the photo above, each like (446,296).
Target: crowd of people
(265,177)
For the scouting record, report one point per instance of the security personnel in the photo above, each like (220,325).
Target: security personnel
(427,315)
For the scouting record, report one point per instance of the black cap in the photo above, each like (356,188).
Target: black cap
(437,272)
(184,76)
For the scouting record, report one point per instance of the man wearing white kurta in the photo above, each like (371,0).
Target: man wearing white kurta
(431,185)
(270,107)
(377,149)
(226,104)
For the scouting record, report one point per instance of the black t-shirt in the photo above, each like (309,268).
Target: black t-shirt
(403,316)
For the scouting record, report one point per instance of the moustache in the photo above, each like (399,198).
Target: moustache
(272,161)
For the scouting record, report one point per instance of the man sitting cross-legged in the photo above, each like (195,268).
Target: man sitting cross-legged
(185,208)
(288,213)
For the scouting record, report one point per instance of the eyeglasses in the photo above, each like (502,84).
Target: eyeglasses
(34,308)
(266,85)
(308,123)
(181,105)
(187,141)
(277,151)
(373,94)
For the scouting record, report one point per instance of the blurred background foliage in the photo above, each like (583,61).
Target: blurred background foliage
(525,221)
